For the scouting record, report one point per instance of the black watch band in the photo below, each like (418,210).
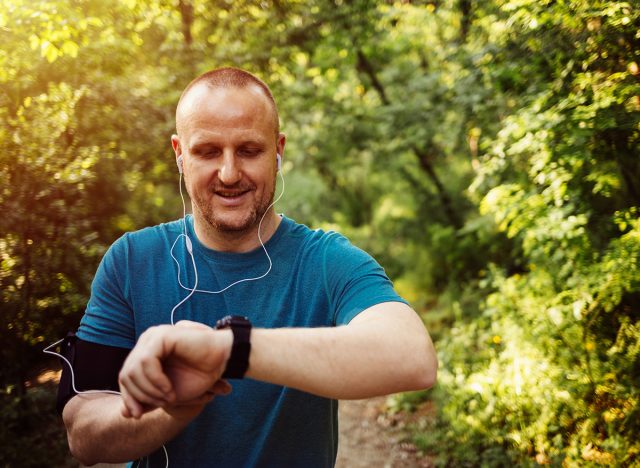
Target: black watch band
(238,362)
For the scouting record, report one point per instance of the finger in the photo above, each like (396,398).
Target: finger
(148,392)
(124,410)
(131,408)
(138,389)
(154,380)
(144,375)
(134,384)
(147,356)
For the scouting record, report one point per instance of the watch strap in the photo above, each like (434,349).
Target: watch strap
(238,362)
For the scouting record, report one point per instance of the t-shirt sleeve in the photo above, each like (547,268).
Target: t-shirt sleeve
(354,280)
(108,319)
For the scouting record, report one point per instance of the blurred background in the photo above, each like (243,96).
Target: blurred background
(485,152)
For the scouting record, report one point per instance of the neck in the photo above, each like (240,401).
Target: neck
(236,241)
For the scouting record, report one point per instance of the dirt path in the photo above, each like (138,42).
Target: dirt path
(370,438)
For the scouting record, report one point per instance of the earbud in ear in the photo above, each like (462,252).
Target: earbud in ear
(279,161)
(179,163)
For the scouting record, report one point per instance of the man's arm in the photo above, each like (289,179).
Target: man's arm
(385,349)
(98,431)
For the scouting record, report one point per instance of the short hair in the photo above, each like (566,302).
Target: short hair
(231,77)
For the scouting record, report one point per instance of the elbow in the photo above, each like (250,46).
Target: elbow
(91,454)
(419,366)
(78,446)
(76,451)
(426,372)
(75,447)
(419,376)
(428,375)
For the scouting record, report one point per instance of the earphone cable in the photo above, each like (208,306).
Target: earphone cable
(47,350)
(194,289)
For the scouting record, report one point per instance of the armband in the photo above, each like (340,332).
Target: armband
(95,367)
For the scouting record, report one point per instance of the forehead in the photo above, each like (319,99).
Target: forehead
(225,110)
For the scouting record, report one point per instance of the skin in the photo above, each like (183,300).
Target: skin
(99,431)
(228,140)
(385,349)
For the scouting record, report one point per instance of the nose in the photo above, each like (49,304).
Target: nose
(229,173)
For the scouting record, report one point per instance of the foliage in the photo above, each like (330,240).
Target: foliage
(553,375)
(63,200)
(31,434)
(486,153)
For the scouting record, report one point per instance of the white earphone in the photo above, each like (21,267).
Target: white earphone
(179,163)
(192,290)
(189,246)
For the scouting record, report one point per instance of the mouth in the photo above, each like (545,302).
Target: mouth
(231,197)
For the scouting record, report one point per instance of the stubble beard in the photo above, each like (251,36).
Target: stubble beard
(242,226)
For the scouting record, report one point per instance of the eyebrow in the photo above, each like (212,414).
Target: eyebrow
(201,145)
(198,145)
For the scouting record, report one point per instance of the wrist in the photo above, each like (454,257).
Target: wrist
(183,413)
(225,338)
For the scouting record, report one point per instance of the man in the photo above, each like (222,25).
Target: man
(326,323)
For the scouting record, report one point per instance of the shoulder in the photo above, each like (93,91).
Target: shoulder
(314,237)
(147,239)
(329,246)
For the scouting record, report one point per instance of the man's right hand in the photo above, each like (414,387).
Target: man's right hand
(175,367)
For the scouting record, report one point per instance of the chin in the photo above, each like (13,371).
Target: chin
(235,224)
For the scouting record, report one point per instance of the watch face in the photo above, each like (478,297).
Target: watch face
(239,321)
(223,322)
(233,321)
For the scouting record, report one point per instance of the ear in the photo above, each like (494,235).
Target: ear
(175,144)
(281,141)
(177,149)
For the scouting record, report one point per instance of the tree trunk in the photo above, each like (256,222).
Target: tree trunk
(425,159)
(186,13)
(426,163)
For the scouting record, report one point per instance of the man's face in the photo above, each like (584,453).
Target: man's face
(227,137)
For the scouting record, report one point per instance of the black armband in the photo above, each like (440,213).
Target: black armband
(95,367)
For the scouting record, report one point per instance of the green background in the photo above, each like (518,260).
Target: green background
(485,152)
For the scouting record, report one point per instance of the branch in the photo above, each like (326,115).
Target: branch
(364,66)
(426,163)
(465,22)
(186,13)
(425,160)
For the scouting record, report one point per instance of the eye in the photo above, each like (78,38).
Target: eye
(206,152)
(249,151)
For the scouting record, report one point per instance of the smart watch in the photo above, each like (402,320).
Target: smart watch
(238,362)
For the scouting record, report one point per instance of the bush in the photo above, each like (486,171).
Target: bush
(31,432)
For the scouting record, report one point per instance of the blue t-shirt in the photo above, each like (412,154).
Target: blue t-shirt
(318,279)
